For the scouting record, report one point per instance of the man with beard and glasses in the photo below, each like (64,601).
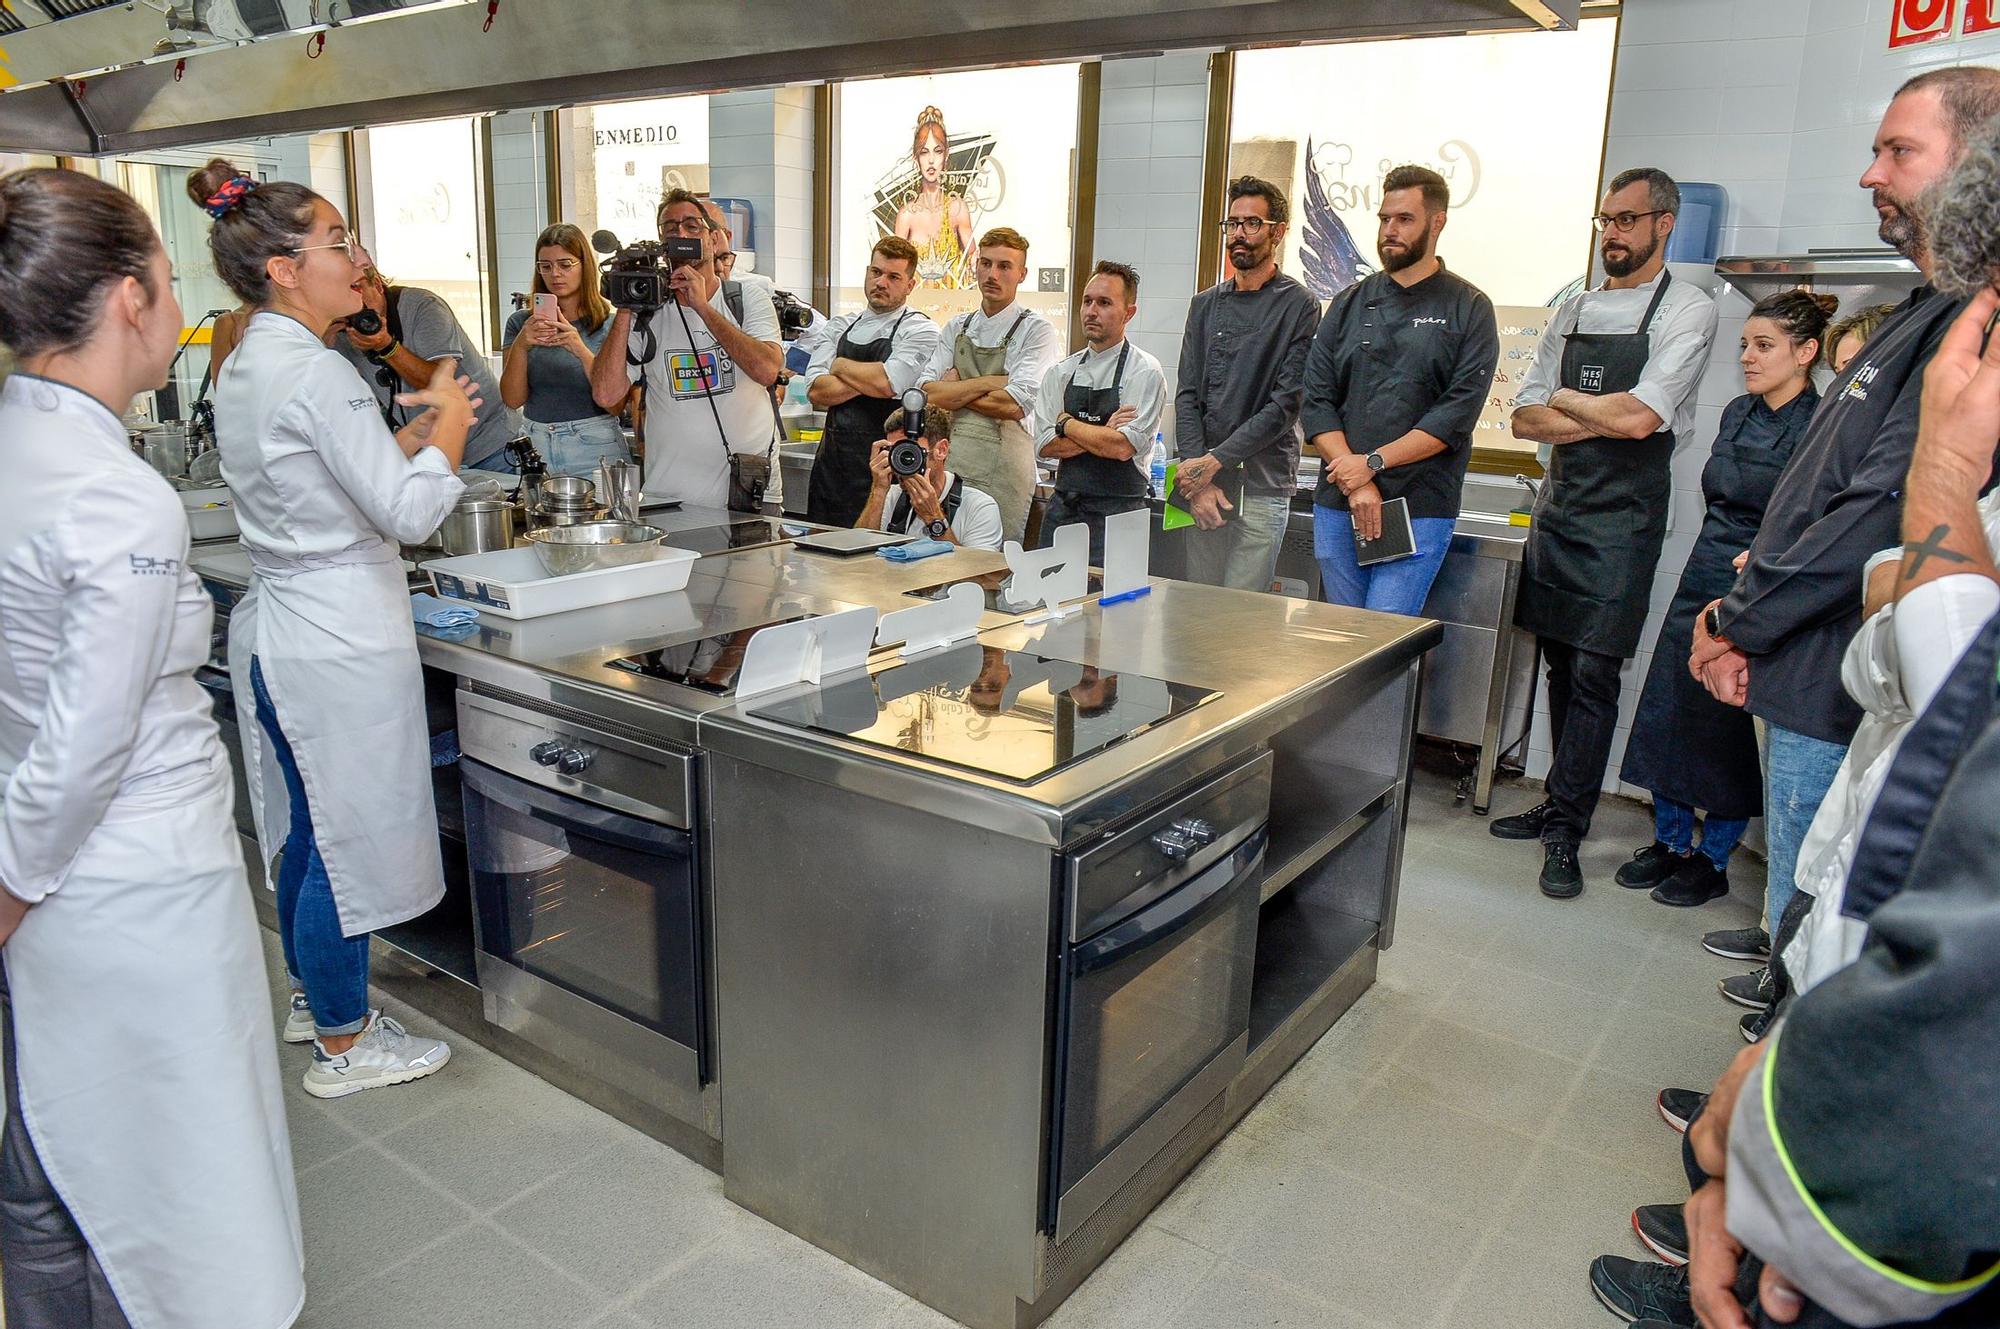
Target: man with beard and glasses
(1612,386)
(1236,410)
(1773,645)
(1398,372)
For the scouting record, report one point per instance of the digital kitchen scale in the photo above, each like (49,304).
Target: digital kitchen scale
(707,663)
(1013,715)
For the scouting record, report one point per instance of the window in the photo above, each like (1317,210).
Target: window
(424,223)
(626,155)
(942,158)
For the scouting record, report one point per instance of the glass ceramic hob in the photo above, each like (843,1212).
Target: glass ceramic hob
(709,663)
(1013,715)
(735,535)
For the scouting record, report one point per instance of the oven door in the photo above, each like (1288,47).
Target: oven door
(597,904)
(1156,1005)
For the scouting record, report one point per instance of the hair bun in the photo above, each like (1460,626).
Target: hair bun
(930,115)
(1828,304)
(203,183)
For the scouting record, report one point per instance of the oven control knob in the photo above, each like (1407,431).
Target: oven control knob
(1197,830)
(573,761)
(1175,843)
(545,754)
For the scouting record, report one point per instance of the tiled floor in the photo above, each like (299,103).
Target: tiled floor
(1453,1153)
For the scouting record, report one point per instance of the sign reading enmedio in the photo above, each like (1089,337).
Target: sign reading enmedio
(637,136)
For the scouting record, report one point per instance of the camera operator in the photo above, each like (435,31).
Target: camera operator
(417,330)
(931,501)
(712,435)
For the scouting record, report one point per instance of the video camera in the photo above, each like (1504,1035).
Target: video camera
(907,455)
(635,275)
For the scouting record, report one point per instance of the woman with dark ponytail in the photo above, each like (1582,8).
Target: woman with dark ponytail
(1692,751)
(145,1174)
(323,650)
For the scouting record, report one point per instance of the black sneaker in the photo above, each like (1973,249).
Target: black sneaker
(1649,867)
(1562,877)
(1754,1025)
(1739,944)
(1678,1106)
(1640,1290)
(1664,1231)
(1695,882)
(1524,825)
(1756,989)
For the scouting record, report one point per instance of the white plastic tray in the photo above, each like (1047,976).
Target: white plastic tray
(210,513)
(513,583)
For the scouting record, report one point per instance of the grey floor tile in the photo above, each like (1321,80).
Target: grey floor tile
(1656,1048)
(1226,1187)
(1502,1081)
(1526,1285)
(1544,1013)
(768,1279)
(366,1211)
(916,1315)
(1583,1205)
(1419,970)
(316,1132)
(1143,1283)
(1366,1040)
(479,1279)
(1404,1139)
(1233,1295)
(625,1216)
(1614,1118)
(1312,1097)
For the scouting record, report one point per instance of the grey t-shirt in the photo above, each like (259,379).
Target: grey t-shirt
(431,330)
(558,387)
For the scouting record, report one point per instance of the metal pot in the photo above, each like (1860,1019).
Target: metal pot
(478,526)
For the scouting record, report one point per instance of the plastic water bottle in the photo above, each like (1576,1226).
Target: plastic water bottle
(1159,469)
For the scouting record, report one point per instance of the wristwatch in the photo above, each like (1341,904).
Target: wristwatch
(1711,620)
(936,527)
(1375,463)
(1062,426)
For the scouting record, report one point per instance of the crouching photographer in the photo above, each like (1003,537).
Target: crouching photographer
(913,492)
(707,368)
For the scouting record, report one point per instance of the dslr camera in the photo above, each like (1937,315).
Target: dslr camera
(794,315)
(364,321)
(635,276)
(907,455)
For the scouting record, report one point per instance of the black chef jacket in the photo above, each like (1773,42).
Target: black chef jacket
(1840,502)
(1388,360)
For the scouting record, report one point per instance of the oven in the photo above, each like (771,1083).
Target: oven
(1153,1007)
(587,897)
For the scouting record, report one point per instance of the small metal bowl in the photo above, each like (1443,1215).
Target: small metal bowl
(568,491)
(591,545)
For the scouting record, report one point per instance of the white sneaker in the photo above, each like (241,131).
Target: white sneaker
(385,1054)
(299,1020)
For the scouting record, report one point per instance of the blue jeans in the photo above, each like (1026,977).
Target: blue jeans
(1673,826)
(1798,770)
(496,463)
(574,447)
(1399,587)
(332,969)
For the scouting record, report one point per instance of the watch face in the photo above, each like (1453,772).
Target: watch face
(936,529)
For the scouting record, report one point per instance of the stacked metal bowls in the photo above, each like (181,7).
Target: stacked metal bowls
(591,545)
(566,500)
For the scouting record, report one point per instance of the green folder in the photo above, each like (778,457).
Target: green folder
(1171,517)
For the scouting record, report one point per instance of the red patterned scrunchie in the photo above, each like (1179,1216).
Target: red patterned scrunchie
(228,198)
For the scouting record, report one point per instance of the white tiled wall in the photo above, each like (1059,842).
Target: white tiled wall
(519,180)
(760,148)
(1776,101)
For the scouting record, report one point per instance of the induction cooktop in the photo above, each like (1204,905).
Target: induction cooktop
(736,535)
(993,588)
(1013,715)
(709,663)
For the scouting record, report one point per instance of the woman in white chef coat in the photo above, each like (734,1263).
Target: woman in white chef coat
(323,650)
(145,1175)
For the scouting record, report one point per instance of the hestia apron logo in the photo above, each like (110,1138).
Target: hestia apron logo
(1590,378)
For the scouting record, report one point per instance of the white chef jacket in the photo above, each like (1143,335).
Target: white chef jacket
(1144,387)
(909,355)
(686,457)
(1033,349)
(1678,341)
(115,821)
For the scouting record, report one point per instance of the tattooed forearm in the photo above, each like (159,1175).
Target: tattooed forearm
(1932,546)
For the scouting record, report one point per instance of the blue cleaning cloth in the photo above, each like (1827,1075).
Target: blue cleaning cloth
(433,612)
(915,549)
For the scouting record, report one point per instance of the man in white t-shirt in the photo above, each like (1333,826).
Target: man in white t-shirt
(934,501)
(707,376)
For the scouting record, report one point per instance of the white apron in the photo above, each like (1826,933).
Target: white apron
(184,1190)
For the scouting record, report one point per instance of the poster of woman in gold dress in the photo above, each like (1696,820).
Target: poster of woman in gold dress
(935,217)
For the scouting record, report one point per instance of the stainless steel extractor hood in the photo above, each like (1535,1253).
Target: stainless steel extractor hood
(110,92)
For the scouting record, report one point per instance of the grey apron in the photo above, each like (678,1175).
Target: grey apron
(996,456)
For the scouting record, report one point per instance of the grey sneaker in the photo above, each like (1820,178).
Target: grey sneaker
(385,1054)
(299,1020)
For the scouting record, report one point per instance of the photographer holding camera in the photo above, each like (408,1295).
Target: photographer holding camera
(712,434)
(912,492)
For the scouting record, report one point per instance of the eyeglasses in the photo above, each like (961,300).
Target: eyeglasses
(355,253)
(1623,221)
(686,226)
(1250,226)
(548,265)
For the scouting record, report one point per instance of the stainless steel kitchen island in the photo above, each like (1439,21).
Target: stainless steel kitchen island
(953,965)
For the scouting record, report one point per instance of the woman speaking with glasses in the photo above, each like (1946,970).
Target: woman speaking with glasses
(324,649)
(550,349)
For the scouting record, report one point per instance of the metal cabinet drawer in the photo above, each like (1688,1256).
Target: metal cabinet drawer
(1129,869)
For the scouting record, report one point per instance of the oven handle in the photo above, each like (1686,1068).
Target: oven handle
(574,810)
(1177,912)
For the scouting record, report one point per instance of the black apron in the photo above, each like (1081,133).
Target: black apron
(1090,474)
(1686,745)
(840,478)
(1587,570)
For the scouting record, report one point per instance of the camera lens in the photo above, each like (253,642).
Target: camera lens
(365,321)
(907,457)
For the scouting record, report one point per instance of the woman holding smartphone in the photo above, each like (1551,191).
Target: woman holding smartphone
(323,649)
(145,1177)
(550,349)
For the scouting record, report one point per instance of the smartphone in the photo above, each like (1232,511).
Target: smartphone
(547,307)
